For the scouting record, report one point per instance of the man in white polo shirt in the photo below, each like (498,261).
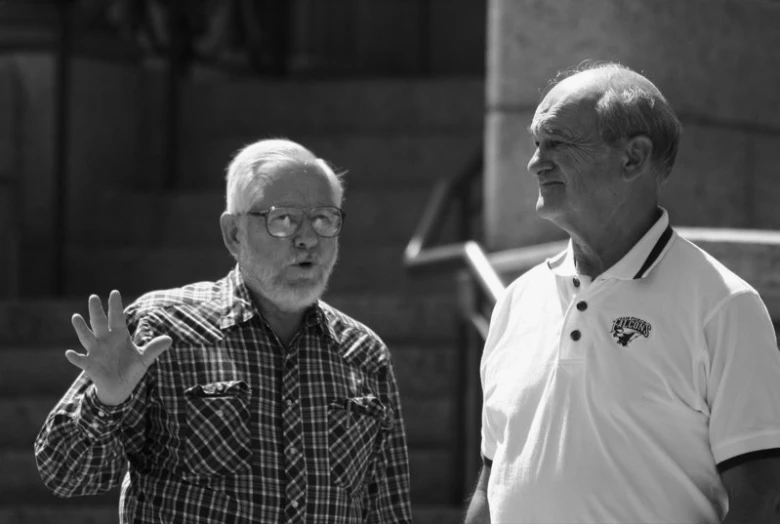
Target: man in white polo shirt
(632,378)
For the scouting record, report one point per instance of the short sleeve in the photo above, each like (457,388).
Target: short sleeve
(743,383)
(498,323)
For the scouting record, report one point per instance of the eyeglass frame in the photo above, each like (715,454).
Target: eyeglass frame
(307,211)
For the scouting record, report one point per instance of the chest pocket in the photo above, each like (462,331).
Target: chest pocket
(357,430)
(218,439)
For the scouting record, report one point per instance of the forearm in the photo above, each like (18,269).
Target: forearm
(78,451)
(478,511)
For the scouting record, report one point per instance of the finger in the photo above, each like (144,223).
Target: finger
(116,315)
(154,349)
(86,337)
(97,316)
(77,359)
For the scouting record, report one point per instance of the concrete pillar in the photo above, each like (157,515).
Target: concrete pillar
(717,61)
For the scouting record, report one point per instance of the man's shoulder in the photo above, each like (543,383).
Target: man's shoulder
(190,312)
(537,275)
(191,295)
(355,340)
(687,260)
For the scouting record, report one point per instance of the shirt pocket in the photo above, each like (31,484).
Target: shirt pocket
(218,439)
(357,430)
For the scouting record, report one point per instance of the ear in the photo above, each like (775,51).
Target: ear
(230,233)
(637,152)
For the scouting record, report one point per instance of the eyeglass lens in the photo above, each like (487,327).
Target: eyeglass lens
(285,221)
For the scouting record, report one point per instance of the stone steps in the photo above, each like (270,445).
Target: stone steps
(361,268)
(36,378)
(338,106)
(432,471)
(397,318)
(107,514)
(374,162)
(429,420)
(376,218)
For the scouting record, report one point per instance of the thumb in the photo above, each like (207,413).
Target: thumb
(77,359)
(154,349)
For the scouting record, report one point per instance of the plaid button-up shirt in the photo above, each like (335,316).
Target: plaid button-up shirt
(231,426)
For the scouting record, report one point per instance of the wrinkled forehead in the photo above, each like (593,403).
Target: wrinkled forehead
(568,109)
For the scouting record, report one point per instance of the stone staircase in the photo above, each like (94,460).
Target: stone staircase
(395,138)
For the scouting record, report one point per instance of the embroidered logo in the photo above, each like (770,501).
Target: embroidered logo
(626,329)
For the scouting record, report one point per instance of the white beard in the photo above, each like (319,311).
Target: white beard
(287,298)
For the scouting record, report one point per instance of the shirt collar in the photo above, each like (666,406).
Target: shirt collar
(238,306)
(637,263)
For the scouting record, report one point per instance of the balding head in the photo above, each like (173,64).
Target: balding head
(624,104)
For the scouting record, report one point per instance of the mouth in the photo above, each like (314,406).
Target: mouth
(550,183)
(305,264)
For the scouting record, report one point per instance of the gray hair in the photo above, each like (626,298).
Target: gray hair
(250,169)
(631,106)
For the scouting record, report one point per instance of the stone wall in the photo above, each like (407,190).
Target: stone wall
(717,61)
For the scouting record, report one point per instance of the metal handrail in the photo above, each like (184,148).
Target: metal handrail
(417,253)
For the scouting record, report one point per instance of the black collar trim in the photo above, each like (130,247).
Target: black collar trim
(655,253)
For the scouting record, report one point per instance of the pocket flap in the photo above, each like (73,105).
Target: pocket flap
(369,406)
(227,388)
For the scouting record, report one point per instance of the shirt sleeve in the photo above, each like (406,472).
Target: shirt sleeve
(82,447)
(390,492)
(743,383)
(498,323)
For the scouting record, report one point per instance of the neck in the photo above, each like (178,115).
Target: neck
(285,324)
(602,245)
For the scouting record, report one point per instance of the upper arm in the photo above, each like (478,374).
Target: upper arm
(743,378)
(752,482)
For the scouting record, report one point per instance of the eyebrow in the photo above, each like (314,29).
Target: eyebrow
(550,131)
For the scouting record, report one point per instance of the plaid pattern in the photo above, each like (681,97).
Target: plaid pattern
(228,426)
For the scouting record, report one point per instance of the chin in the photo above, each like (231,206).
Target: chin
(293,299)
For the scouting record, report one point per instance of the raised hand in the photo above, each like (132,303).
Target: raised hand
(113,362)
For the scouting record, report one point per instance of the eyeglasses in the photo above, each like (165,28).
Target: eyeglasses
(283,222)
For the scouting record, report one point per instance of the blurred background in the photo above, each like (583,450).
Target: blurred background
(118,117)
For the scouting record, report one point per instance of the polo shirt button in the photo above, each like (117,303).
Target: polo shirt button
(294,503)
(582,305)
(576,282)
(575,335)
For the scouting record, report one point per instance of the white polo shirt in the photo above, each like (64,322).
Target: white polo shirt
(612,401)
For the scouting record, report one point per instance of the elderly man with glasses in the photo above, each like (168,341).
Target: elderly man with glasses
(247,400)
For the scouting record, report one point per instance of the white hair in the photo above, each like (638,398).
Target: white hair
(249,171)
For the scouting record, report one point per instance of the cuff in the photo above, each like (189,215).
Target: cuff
(97,419)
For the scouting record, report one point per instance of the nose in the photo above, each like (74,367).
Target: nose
(306,237)
(538,164)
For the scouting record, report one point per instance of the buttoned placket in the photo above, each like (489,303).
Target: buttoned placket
(574,337)
(292,439)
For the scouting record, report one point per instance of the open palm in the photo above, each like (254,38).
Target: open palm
(113,362)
